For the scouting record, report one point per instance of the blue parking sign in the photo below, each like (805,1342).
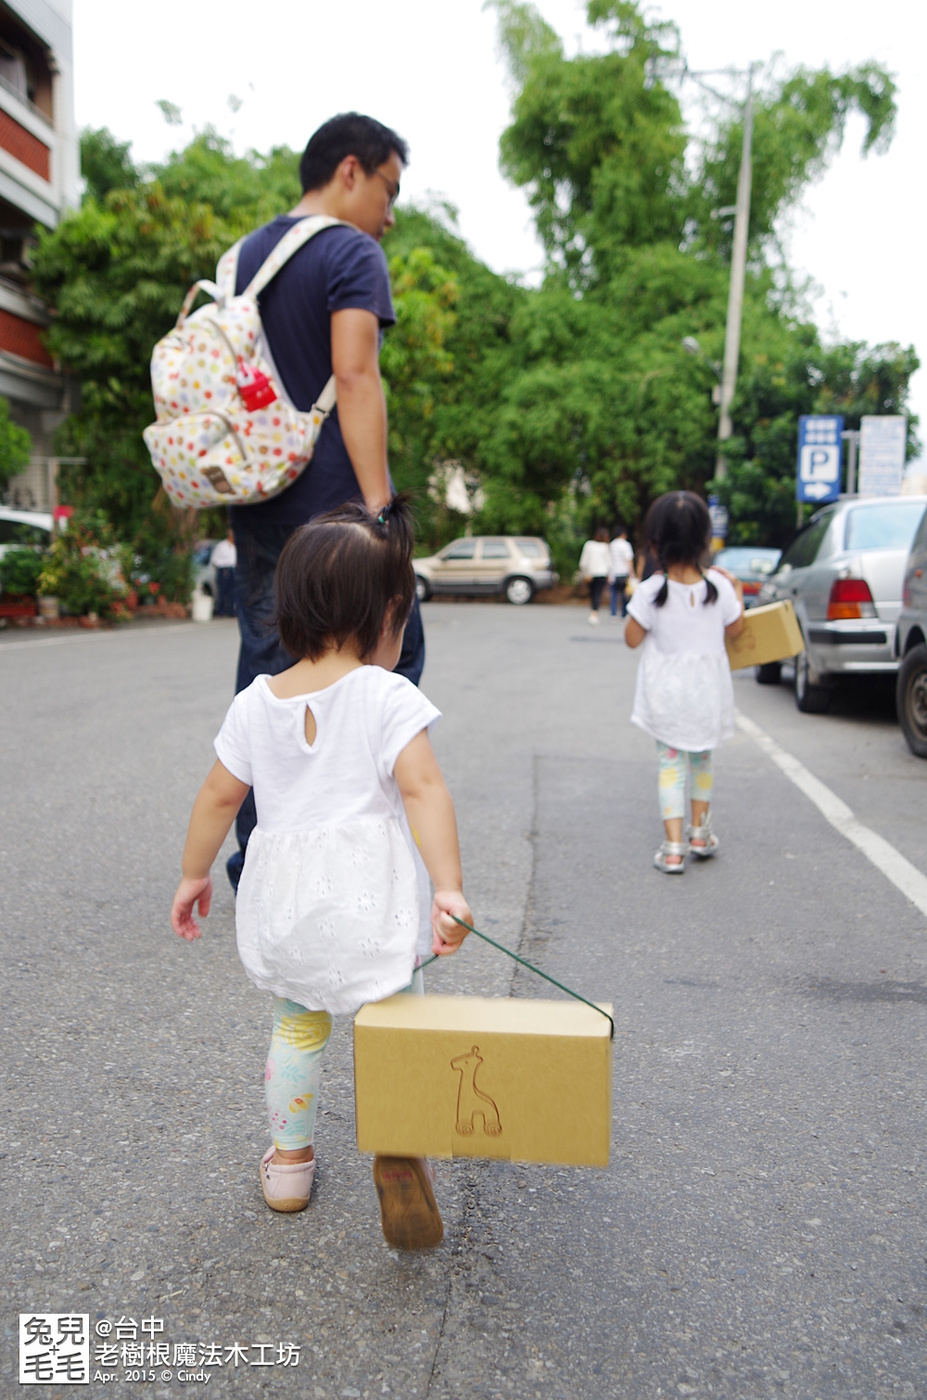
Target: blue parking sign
(819,441)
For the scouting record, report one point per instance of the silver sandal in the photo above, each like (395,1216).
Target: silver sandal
(703,833)
(671,848)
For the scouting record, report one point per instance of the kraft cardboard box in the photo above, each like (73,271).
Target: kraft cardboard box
(771,633)
(446,1076)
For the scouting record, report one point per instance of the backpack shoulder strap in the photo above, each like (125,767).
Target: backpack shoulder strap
(289,244)
(227,271)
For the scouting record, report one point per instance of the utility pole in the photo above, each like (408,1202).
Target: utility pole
(735,303)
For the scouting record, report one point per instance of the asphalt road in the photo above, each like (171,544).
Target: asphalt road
(760,1231)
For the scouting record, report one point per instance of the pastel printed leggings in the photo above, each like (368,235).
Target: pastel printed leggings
(673,764)
(294,1067)
(292,1072)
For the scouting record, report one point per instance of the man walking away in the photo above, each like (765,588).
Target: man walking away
(323,313)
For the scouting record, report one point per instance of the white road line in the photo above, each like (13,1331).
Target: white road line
(81,635)
(892,864)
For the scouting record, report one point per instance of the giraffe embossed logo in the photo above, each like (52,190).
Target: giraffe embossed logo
(472,1103)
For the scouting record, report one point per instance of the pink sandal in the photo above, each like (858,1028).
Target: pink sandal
(286,1186)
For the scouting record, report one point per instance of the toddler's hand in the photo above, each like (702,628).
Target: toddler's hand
(448,935)
(190,893)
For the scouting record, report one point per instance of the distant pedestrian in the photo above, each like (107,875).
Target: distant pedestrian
(333,904)
(223,559)
(593,565)
(620,569)
(684,696)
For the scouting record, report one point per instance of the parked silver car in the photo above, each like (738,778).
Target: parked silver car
(843,573)
(911,647)
(516,565)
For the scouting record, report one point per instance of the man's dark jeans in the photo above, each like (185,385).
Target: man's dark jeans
(225,592)
(261,654)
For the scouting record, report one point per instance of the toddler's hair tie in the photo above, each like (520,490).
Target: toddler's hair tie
(384,513)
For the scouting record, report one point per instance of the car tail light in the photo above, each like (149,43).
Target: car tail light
(850,598)
(750,589)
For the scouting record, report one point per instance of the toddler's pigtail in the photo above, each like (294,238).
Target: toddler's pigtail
(711,592)
(394,529)
(663,594)
(394,526)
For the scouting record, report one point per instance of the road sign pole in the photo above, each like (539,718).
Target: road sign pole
(851,438)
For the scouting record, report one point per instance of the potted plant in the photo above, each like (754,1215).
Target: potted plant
(81,568)
(19,575)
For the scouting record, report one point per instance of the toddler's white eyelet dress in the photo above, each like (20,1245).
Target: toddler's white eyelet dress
(334,901)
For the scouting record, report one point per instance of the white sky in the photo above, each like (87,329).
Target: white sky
(431,70)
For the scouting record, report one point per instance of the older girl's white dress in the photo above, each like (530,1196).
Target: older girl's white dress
(684,696)
(334,904)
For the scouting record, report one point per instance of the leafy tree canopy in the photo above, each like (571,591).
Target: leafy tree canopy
(600,143)
(570,404)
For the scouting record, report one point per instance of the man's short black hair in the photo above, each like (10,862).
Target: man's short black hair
(349,134)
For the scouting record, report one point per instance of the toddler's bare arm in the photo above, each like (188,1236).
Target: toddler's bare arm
(430,811)
(214,811)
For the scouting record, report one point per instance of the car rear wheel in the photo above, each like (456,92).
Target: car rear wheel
(422,588)
(911,700)
(770,673)
(811,698)
(519,590)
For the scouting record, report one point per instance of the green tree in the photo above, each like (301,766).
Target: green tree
(15,446)
(799,121)
(600,145)
(116,274)
(243,190)
(600,411)
(105,163)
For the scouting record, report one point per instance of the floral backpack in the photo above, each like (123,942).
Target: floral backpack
(226,434)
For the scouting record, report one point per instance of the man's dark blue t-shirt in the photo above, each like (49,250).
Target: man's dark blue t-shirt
(339,269)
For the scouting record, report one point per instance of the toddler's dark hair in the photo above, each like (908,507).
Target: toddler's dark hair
(678,529)
(338,575)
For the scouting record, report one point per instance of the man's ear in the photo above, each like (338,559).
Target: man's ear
(348,171)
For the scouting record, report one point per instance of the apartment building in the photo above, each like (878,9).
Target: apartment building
(39,176)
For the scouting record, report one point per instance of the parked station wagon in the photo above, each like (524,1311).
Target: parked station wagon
(517,566)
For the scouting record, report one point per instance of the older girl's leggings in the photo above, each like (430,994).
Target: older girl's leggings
(673,764)
(294,1067)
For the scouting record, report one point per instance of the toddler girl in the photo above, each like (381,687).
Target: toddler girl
(333,906)
(684,696)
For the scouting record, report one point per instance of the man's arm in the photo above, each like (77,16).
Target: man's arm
(361,404)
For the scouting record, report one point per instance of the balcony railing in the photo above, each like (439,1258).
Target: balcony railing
(14,91)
